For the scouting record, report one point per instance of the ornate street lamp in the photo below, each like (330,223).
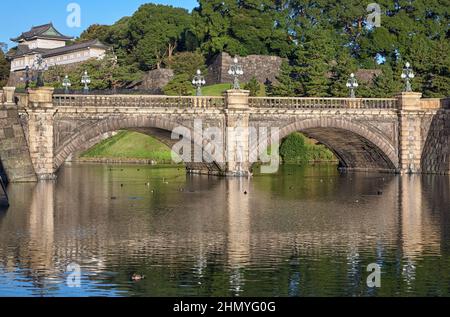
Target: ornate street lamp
(352,84)
(66,84)
(236,71)
(199,81)
(407,75)
(40,66)
(27,77)
(86,80)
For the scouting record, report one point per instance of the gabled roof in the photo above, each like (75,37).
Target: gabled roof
(22,50)
(46,31)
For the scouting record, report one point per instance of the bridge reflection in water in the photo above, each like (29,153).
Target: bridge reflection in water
(303,232)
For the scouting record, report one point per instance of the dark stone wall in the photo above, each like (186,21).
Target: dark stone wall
(155,80)
(264,68)
(14,153)
(436,151)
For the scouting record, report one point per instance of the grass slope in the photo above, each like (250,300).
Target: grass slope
(130,145)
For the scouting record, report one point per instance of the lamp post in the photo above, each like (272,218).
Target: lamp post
(407,75)
(352,84)
(86,80)
(27,77)
(66,84)
(40,66)
(199,82)
(236,71)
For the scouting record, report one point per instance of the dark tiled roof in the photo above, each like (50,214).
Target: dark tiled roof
(40,31)
(22,50)
(74,48)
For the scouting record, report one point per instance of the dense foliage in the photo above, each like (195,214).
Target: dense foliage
(323,41)
(4,68)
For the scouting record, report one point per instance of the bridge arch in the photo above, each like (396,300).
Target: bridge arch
(355,145)
(90,134)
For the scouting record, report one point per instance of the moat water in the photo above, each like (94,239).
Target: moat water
(307,231)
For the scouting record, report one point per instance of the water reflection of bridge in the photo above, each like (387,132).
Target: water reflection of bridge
(81,223)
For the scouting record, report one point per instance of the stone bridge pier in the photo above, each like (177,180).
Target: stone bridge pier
(40,130)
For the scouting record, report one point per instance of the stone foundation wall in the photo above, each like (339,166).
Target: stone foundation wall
(155,80)
(436,151)
(14,153)
(264,68)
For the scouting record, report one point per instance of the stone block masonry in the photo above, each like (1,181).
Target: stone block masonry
(263,68)
(407,134)
(14,153)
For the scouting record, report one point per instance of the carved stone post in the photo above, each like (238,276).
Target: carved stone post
(40,128)
(410,132)
(237,134)
(8,96)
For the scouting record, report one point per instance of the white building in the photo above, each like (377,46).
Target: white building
(55,48)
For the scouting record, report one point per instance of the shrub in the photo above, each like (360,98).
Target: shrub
(293,149)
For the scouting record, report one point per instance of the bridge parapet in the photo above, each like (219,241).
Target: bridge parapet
(138,101)
(323,103)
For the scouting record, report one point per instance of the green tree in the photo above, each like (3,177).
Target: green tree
(95,32)
(341,69)
(286,86)
(187,63)
(387,84)
(253,86)
(180,86)
(4,69)
(241,27)
(155,32)
(105,74)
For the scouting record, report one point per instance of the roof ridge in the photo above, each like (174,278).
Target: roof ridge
(40,26)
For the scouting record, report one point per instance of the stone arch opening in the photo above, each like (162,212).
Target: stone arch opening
(355,146)
(3,172)
(158,128)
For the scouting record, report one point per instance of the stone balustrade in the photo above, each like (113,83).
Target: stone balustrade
(138,101)
(323,103)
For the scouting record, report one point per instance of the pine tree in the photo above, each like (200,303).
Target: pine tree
(340,73)
(286,85)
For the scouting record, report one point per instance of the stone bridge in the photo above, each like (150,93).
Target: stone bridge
(40,130)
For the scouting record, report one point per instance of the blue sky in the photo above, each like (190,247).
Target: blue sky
(20,16)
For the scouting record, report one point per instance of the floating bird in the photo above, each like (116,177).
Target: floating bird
(137,277)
